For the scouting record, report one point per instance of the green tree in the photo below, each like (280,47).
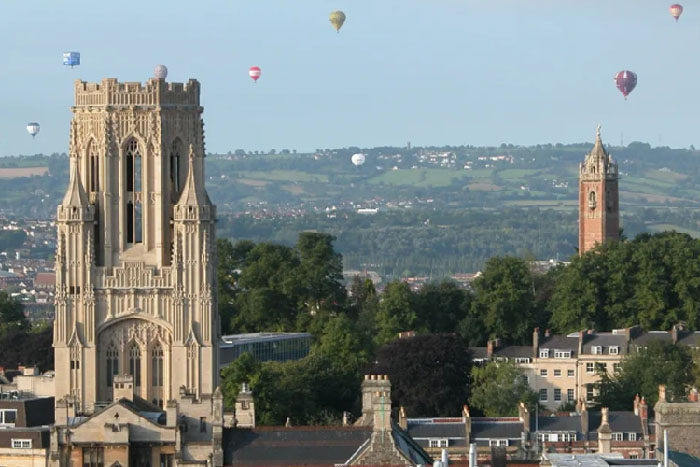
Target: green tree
(498,388)
(397,312)
(504,299)
(429,373)
(11,314)
(642,372)
(442,306)
(322,269)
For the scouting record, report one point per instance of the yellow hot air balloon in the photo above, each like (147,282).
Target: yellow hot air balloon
(337,19)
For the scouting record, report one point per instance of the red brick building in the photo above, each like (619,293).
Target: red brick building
(599,206)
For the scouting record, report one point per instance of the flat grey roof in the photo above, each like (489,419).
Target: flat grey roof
(254,337)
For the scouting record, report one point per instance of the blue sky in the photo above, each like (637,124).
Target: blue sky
(432,72)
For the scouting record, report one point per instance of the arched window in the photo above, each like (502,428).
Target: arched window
(157,366)
(175,152)
(94,182)
(192,365)
(112,365)
(135,364)
(134,217)
(591,200)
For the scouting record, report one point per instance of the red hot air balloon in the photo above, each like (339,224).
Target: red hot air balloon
(676,10)
(254,73)
(626,81)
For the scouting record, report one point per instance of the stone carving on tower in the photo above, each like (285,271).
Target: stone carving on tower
(599,207)
(135,259)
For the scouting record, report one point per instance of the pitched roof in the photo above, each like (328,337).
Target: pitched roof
(436,430)
(497,429)
(560,342)
(292,446)
(559,423)
(75,196)
(605,340)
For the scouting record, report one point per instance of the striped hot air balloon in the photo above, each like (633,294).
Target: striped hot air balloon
(626,81)
(676,10)
(254,72)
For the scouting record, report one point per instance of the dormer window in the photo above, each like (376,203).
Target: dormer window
(596,350)
(544,353)
(614,350)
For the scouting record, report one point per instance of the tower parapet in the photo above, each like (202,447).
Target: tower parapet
(155,92)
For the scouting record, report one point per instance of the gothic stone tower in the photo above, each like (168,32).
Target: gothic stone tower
(599,207)
(135,283)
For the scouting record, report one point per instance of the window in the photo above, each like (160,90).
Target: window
(544,353)
(133,185)
(634,456)
(616,367)
(93,457)
(157,366)
(202,424)
(601,367)
(522,360)
(632,436)
(596,350)
(617,436)
(94,182)
(570,373)
(21,443)
(8,417)
(544,437)
(614,350)
(567,437)
(590,367)
(557,372)
(112,363)
(438,443)
(175,166)
(557,395)
(589,392)
(135,364)
(591,197)
(570,395)
(166,460)
(543,372)
(543,395)
(562,354)
(498,442)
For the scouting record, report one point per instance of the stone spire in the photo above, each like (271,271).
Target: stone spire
(193,194)
(76,195)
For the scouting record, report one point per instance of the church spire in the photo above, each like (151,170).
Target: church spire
(76,195)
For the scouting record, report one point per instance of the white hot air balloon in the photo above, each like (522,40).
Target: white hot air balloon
(33,128)
(161,72)
(358,159)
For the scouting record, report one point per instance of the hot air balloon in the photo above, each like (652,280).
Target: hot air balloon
(33,128)
(337,19)
(358,159)
(160,72)
(254,73)
(626,81)
(676,10)
(71,58)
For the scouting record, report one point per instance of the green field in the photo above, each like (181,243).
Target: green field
(420,177)
(284,176)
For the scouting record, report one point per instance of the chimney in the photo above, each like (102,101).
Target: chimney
(547,333)
(403,422)
(123,387)
(693,396)
(371,387)
(643,410)
(636,405)
(489,348)
(535,342)
(244,408)
(604,433)
(381,407)
(171,413)
(472,455)
(580,342)
(524,415)
(674,333)
(584,421)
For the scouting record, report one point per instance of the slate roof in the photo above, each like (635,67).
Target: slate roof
(410,448)
(646,337)
(605,340)
(496,429)
(559,424)
(514,351)
(436,430)
(620,422)
(478,352)
(691,339)
(559,342)
(292,446)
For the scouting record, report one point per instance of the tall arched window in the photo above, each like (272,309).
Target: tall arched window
(112,365)
(94,182)
(175,152)
(192,365)
(591,200)
(134,224)
(157,366)
(135,364)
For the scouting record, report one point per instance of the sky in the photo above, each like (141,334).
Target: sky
(432,72)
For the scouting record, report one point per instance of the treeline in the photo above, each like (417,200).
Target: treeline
(650,280)
(20,342)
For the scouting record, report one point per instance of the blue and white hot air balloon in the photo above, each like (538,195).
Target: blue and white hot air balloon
(71,58)
(33,128)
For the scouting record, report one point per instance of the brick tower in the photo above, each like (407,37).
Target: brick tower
(599,207)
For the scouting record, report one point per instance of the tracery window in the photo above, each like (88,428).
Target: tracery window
(112,365)
(157,366)
(94,182)
(135,364)
(591,200)
(134,224)
(175,152)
